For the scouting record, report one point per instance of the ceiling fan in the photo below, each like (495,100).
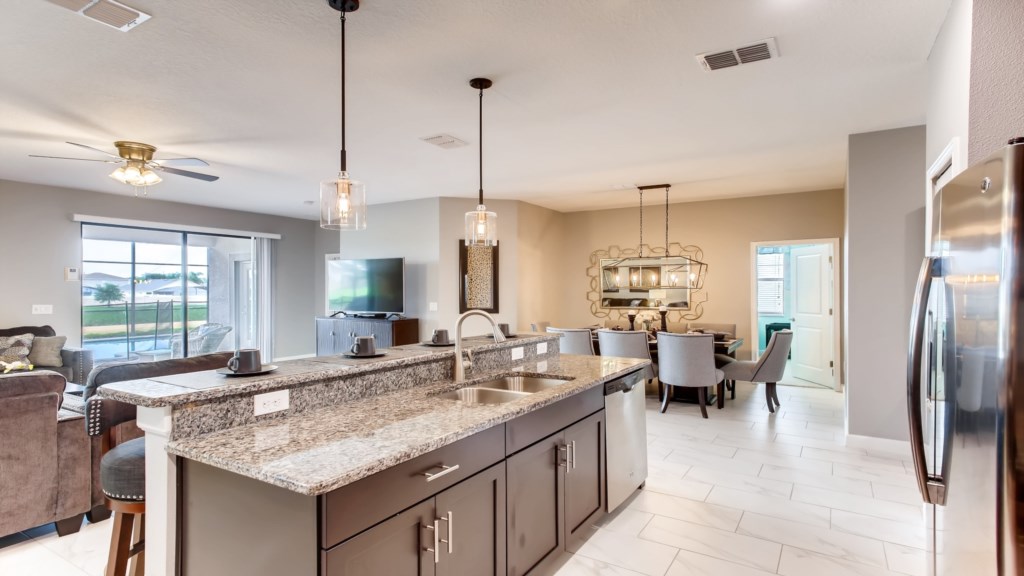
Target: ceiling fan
(137,167)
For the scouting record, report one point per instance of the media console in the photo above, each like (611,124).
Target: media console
(336,335)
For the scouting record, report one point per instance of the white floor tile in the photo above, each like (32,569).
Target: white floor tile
(912,534)
(678,487)
(824,541)
(643,556)
(683,509)
(798,462)
(743,482)
(906,560)
(797,562)
(579,565)
(692,564)
(904,494)
(817,479)
(626,521)
(758,445)
(729,546)
(30,558)
(771,506)
(698,458)
(842,457)
(87,549)
(858,504)
(875,475)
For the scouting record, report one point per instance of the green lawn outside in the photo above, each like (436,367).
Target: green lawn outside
(114,315)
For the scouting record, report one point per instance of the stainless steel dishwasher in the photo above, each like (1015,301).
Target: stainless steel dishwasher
(626,447)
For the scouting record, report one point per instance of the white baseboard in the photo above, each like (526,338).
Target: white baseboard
(883,444)
(299,357)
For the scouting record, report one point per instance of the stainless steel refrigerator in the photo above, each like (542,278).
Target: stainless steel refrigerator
(965,361)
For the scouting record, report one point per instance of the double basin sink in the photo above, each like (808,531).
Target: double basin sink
(501,390)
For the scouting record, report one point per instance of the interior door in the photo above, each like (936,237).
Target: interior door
(812,314)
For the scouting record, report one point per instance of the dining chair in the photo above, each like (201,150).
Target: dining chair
(688,360)
(627,344)
(574,340)
(539,326)
(769,368)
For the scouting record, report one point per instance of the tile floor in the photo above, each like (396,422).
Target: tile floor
(743,493)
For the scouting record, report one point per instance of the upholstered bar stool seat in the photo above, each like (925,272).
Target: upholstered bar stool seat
(123,471)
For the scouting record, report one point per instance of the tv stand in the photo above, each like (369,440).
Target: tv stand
(336,335)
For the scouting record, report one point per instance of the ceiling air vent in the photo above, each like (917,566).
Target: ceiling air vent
(445,141)
(764,50)
(109,12)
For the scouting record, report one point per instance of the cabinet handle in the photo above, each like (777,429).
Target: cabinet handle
(444,470)
(437,548)
(573,454)
(448,519)
(564,461)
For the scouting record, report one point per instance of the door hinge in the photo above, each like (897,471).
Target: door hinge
(829,259)
(829,311)
(831,364)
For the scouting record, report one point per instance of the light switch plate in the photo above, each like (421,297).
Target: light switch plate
(433,306)
(71,274)
(517,353)
(42,308)
(270,402)
(542,348)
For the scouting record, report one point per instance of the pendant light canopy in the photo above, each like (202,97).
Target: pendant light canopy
(481,225)
(343,200)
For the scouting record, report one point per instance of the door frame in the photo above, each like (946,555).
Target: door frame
(836,308)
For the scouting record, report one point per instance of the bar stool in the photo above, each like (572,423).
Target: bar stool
(123,480)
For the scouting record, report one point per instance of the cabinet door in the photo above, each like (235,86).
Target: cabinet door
(534,492)
(472,521)
(326,341)
(584,472)
(396,547)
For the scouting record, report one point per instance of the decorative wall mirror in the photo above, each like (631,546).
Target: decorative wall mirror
(478,278)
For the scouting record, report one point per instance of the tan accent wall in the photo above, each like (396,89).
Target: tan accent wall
(540,273)
(724,229)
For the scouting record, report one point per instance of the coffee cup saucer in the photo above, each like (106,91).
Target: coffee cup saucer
(264,369)
(438,344)
(363,356)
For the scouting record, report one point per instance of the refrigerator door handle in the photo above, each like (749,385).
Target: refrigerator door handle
(929,269)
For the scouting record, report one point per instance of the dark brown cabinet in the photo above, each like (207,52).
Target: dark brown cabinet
(461,531)
(336,335)
(555,488)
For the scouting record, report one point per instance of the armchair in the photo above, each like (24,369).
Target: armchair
(203,339)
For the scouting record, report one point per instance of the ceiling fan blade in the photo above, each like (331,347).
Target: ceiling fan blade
(181,161)
(196,175)
(104,152)
(82,159)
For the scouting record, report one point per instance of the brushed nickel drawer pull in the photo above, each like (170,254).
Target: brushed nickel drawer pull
(445,470)
(448,519)
(437,548)
(573,454)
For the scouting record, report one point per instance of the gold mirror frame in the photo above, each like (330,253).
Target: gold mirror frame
(697,296)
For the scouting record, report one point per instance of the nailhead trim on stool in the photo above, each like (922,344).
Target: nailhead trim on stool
(123,471)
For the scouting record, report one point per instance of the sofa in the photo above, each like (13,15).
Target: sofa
(124,414)
(45,467)
(75,362)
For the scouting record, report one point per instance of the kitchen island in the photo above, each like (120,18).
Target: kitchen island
(369,464)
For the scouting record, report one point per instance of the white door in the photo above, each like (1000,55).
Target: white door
(812,314)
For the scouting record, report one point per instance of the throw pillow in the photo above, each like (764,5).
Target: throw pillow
(15,348)
(46,351)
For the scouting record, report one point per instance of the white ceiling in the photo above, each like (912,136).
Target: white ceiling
(589,95)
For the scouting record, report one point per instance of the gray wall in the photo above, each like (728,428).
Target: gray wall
(997,76)
(42,240)
(949,82)
(884,247)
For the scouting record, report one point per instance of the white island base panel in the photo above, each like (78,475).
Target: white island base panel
(161,491)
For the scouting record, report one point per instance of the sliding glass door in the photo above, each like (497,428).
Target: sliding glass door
(156,294)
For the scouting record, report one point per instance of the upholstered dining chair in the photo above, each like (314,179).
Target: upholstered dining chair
(769,368)
(574,340)
(539,326)
(627,344)
(688,360)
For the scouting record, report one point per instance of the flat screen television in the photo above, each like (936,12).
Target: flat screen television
(365,286)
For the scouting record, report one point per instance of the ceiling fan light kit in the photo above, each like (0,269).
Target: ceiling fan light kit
(481,225)
(343,200)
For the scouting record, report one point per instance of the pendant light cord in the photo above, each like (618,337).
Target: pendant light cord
(641,250)
(666,219)
(481,140)
(344,163)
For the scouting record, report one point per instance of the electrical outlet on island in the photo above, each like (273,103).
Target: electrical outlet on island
(270,402)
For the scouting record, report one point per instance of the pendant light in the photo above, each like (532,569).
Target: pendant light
(481,225)
(343,200)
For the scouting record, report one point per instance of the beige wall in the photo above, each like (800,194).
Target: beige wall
(997,76)
(540,268)
(884,247)
(724,229)
(42,239)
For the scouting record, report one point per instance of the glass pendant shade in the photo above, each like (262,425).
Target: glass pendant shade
(343,204)
(481,227)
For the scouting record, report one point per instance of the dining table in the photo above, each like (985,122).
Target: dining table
(727,347)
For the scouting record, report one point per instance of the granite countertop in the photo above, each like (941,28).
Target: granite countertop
(321,450)
(183,389)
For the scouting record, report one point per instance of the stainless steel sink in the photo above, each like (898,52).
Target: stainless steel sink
(478,396)
(528,384)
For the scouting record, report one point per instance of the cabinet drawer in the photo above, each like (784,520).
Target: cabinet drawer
(353,508)
(533,426)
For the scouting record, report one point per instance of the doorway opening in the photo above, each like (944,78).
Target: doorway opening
(794,286)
